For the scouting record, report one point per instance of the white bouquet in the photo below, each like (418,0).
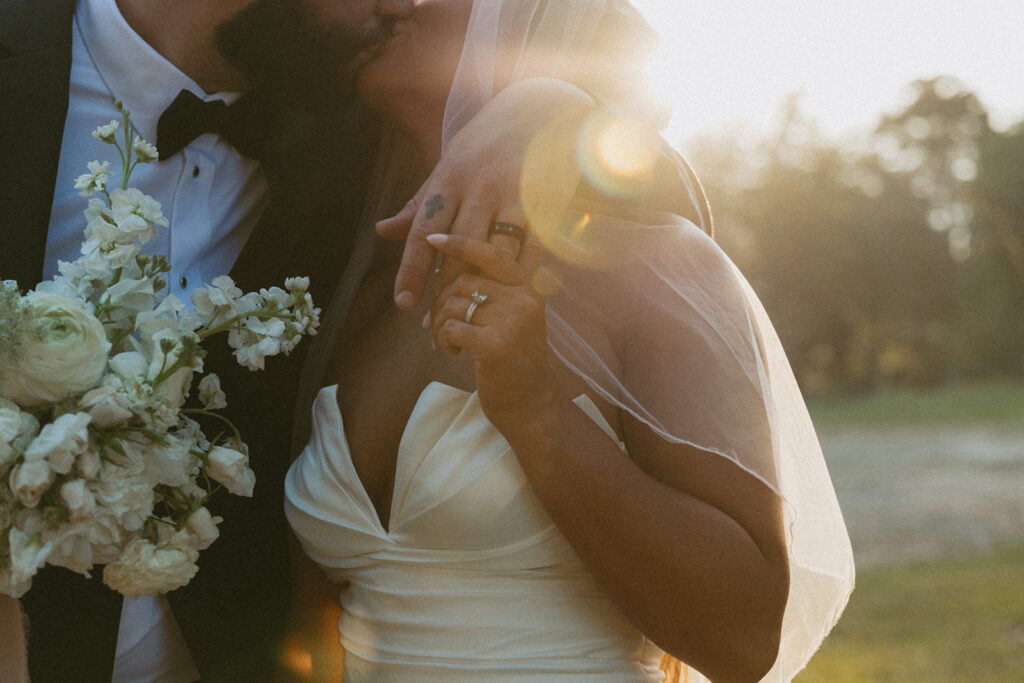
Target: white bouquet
(101,462)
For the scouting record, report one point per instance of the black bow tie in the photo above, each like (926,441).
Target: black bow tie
(243,124)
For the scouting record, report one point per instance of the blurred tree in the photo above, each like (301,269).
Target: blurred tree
(902,263)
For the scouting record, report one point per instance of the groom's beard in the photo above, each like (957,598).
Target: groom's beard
(287,53)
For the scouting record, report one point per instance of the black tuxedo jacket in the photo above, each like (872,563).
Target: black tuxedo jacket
(233,611)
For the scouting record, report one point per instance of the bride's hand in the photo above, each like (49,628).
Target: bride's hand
(503,330)
(476,182)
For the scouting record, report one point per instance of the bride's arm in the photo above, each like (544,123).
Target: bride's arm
(13,665)
(689,546)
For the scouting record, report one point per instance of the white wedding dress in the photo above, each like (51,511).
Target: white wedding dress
(472,581)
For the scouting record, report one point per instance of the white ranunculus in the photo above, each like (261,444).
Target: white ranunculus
(231,468)
(30,480)
(62,351)
(147,569)
(61,441)
(203,526)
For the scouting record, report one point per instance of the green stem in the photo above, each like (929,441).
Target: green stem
(218,416)
(262,314)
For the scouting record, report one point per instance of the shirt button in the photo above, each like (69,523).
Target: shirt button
(195,171)
(183,282)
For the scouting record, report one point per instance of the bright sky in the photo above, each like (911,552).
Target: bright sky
(735,60)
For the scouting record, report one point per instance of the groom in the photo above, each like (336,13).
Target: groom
(276,197)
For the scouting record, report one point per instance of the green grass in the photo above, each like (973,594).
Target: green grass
(952,620)
(957,404)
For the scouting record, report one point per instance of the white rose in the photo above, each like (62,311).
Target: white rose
(30,480)
(147,569)
(210,393)
(10,424)
(170,463)
(203,526)
(231,468)
(61,441)
(105,404)
(61,352)
(80,501)
(73,551)
(130,365)
(89,464)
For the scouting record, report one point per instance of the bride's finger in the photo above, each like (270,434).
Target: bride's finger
(492,261)
(456,308)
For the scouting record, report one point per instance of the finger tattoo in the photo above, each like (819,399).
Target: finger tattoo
(434,205)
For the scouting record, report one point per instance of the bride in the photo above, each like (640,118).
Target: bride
(588,450)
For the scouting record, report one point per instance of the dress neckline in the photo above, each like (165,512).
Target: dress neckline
(349,464)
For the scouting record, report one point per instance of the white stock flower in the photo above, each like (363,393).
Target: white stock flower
(203,526)
(80,501)
(30,480)
(28,554)
(136,214)
(147,569)
(95,180)
(170,315)
(130,296)
(60,352)
(231,468)
(143,150)
(107,132)
(219,301)
(61,442)
(210,393)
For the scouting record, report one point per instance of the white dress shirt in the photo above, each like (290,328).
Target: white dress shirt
(212,197)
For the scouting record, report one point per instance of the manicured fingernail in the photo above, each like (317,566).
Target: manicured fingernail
(405,300)
(437,239)
(426,320)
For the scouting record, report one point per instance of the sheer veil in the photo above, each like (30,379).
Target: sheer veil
(649,311)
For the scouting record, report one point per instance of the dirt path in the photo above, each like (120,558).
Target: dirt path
(915,493)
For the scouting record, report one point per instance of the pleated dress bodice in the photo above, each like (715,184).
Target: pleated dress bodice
(471,580)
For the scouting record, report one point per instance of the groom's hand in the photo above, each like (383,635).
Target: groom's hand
(476,182)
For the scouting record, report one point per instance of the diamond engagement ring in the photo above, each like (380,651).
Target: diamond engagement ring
(477,299)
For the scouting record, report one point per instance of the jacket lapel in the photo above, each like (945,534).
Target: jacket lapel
(35,65)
